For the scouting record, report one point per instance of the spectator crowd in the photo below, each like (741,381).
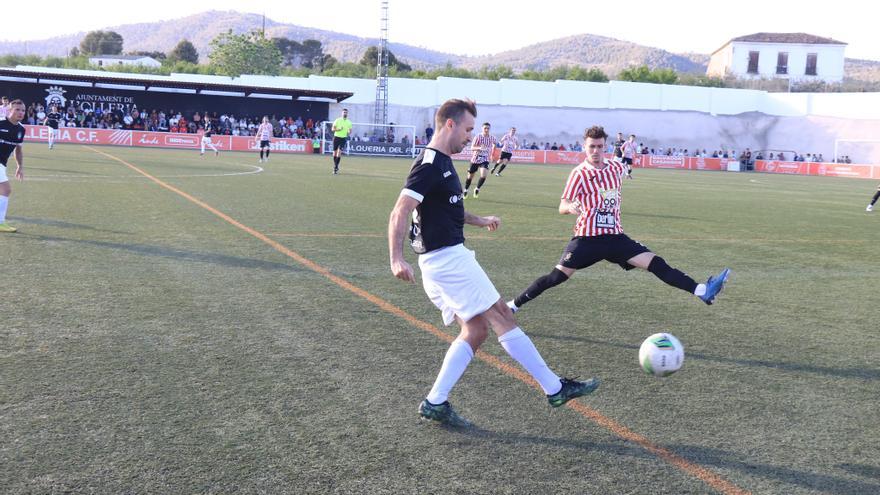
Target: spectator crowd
(172,121)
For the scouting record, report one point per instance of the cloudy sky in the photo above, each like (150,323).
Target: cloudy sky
(487,26)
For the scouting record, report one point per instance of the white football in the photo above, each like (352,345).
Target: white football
(661,354)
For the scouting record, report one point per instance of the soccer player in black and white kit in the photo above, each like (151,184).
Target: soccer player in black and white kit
(508,143)
(11,137)
(51,121)
(618,147)
(870,207)
(206,136)
(451,276)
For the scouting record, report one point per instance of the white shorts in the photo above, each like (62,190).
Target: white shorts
(456,283)
(206,140)
(3,177)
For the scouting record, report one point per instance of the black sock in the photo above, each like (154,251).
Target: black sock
(261,153)
(876,197)
(480,182)
(493,168)
(552,279)
(267,152)
(503,166)
(671,276)
(467,184)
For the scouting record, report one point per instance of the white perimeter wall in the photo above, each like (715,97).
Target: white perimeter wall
(660,115)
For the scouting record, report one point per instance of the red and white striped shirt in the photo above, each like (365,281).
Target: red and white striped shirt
(485,143)
(598,191)
(509,143)
(265,131)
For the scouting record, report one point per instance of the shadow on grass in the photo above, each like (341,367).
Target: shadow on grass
(863,373)
(862,470)
(176,254)
(702,456)
(75,173)
(824,483)
(62,224)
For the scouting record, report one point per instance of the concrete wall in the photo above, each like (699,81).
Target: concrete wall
(660,116)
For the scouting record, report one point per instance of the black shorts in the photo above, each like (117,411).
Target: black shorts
(505,155)
(476,166)
(628,161)
(582,252)
(339,142)
(264,144)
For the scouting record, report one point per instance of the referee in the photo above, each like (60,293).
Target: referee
(341,130)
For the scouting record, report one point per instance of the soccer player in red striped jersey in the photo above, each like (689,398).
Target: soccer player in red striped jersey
(481,148)
(593,194)
(508,143)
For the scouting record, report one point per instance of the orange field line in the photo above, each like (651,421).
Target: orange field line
(710,478)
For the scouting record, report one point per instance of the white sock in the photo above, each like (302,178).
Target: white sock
(4,203)
(521,348)
(700,290)
(456,361)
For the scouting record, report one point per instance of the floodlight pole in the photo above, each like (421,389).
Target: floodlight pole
(380,116)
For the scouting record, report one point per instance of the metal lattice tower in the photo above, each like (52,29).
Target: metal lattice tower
(381,114)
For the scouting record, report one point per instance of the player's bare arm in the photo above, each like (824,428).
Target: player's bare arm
(397,224)
(491,222)
(19,160)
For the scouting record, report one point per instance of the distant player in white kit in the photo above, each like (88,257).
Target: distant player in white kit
(206,136)
(508,143)
(264,134)
(628,149)
(481,149)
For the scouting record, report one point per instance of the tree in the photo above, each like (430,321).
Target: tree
(101,43)
(156,55)
(236,54)
(313,54)
(371,59)
(291,51)
(184,52)
(644,74)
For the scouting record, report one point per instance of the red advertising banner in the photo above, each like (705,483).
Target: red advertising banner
(776,167)
(660,161)
(119,137)
(842,170)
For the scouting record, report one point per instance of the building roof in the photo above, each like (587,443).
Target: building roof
(152,81)
(122,57)
(794,38)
